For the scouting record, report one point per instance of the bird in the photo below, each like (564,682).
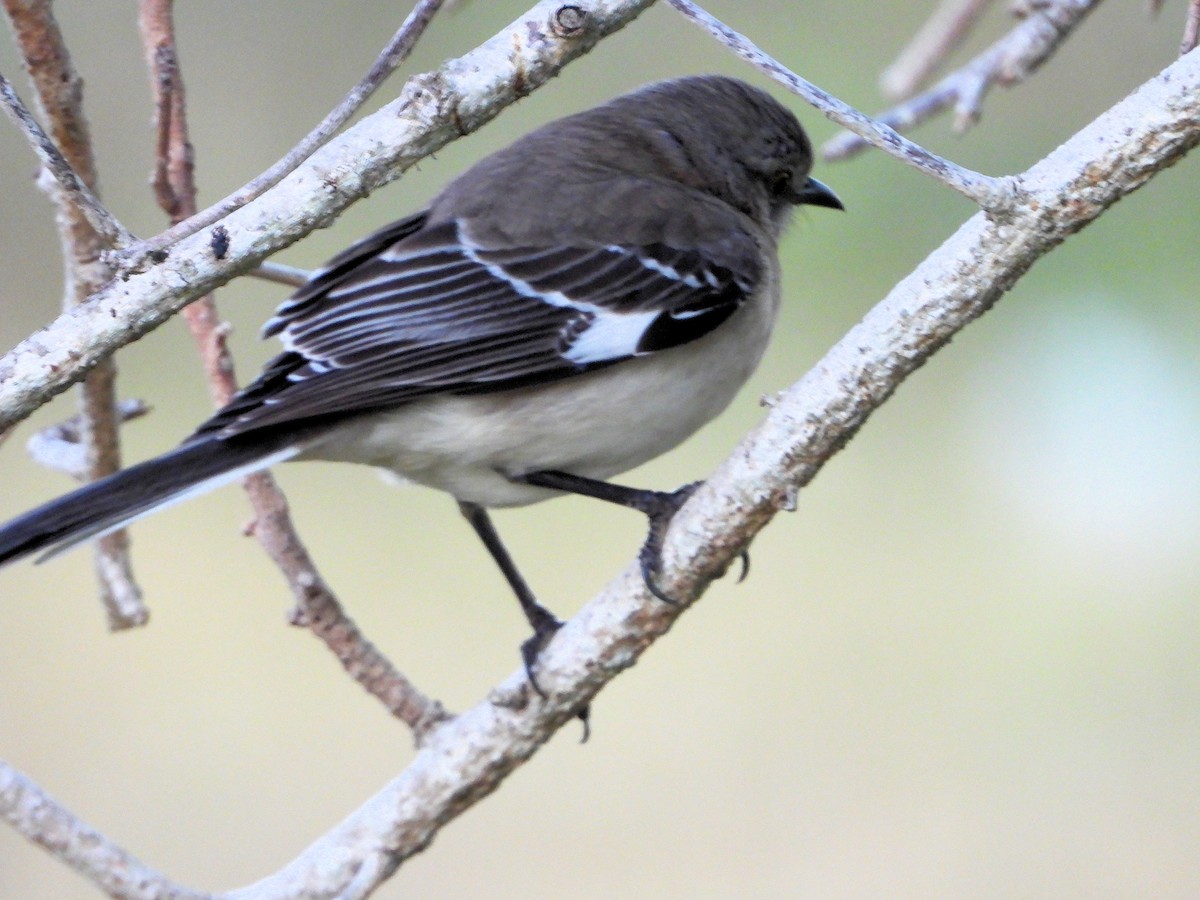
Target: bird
(570,307)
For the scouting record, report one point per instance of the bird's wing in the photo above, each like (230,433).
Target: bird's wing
(416,310)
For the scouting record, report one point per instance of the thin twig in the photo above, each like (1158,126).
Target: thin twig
(1191,28)
(1191,25)
(989,193)
(293,276)
(86,232)
(941,34)
(1007,62)
(72,185)
(396,51)
(319,608)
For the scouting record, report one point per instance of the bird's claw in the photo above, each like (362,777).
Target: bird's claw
(531,649)
(661,507)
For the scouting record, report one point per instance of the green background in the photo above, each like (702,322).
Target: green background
(967,666)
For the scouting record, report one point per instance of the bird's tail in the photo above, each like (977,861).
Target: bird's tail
(110,503)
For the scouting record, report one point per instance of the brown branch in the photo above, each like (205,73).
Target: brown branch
(317,607)
(1009,61)
(174,183)
(318,610)
(87,234)
(989,193)
(1191,28)
(392,55)
(941,34)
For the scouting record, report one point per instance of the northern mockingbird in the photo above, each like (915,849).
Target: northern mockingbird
(567,309)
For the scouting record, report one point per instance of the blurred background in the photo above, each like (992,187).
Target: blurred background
(967,666)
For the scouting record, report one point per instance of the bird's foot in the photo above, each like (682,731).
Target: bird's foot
(660,507)
(531,649)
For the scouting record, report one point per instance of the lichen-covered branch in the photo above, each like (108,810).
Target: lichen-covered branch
(45,821)
(466,759)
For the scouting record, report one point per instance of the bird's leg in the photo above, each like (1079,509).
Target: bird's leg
(658,506)
(543,622)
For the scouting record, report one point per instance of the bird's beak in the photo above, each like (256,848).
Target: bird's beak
(813,193)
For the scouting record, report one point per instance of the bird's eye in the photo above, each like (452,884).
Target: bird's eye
(779,181)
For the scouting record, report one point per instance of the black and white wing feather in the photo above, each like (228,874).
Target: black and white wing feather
(416,310)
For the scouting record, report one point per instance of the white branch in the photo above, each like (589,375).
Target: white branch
(1008,61)
(47,822)
(1116,154)
(466,759)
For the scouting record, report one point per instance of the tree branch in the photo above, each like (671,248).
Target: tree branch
(87,234)
(396,51)
(281,274)
(48,823)
(318,609)
(1009,61)
(938,38)
(466,759)
(72,185)
(1191,28)
(61,446)
(174,184)
(990,193)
